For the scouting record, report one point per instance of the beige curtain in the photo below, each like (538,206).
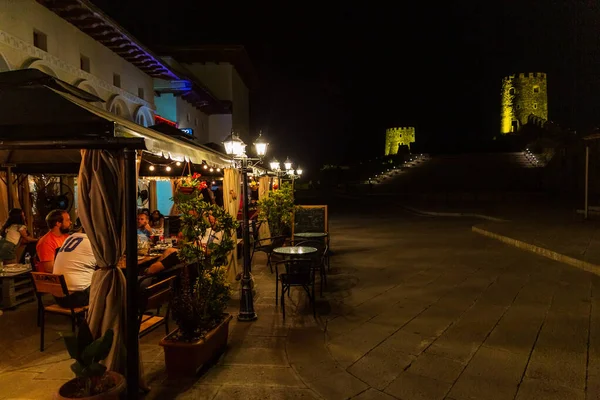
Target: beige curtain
(153,199)
(263,193)
(27,204)
(102,214)
(3,198)
(231,203)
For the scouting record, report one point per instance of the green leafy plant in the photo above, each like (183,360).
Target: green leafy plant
(278,209)
(88,353)
(198,304)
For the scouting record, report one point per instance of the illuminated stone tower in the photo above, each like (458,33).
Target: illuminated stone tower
(522,95)
(395,137)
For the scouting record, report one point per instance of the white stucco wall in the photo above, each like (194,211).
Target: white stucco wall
(189,116)
(65,45)
(219,126)
(216,77)
(223,81)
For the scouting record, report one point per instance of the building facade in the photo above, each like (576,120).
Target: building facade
(396,137)
(34,36)
(227,73)
(524,97)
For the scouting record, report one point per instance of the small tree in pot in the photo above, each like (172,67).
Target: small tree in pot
(278,210)
(199,303)
(92,380)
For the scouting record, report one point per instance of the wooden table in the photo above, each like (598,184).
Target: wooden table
(16,287)
(140,261)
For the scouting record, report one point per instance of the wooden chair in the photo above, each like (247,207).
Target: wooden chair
(152,298)
(55,285)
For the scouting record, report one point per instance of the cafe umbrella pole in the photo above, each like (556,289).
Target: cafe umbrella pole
(132,343)
(247,312)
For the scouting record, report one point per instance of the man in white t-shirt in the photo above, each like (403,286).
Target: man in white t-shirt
(75,260)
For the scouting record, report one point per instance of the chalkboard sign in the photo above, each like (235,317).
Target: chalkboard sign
(310,219)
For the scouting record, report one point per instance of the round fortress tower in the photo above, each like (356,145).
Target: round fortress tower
(522,95)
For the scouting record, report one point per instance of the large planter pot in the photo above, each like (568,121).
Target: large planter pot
(184,359)
(67,390)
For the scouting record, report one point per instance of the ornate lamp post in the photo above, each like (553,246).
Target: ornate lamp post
(236,148)
(288,171)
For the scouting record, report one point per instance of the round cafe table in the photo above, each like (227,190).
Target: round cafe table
(295,251)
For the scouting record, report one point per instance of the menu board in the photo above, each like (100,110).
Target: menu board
(310,219)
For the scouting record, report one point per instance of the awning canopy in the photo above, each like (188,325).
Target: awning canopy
(37,107)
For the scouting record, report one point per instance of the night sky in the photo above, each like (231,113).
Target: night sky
(332,77)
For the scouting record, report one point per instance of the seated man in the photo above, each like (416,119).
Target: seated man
(144,228)
(59,223)
(169,258)
(76,261)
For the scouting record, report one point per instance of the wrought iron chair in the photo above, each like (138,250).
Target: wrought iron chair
(299,272)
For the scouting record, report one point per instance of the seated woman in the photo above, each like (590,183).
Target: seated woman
(157,220)
(13,231)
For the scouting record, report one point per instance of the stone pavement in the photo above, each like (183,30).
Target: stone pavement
(416,308)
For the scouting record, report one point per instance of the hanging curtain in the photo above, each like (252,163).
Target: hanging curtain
(3,198)
(231,202)
(102,214)
(174,185)
(153,198)
(263,193)
(27,204)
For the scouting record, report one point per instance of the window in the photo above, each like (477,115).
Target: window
(534,106)
(84,63)
(536,89)
(512,91)
(40,40)
(141,92)
(117,80)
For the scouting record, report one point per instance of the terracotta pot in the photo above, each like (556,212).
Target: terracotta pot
(184,359)
(113,394)
(186,189)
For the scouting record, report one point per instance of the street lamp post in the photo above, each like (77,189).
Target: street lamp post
(235,147)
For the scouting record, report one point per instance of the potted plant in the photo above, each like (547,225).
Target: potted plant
(199,302)
(191,183)
(278,210)
(92,381)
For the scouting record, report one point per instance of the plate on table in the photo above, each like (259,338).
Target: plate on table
(13,265)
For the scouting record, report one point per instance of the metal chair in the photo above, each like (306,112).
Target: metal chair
(319,259)
(299,272)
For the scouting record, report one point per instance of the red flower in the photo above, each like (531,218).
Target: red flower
(196,175)
(202,185)
(275,186)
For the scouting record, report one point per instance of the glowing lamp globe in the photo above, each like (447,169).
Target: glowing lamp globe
(274,165)
(299,171)
(288,164)
(234,146)
(261,146)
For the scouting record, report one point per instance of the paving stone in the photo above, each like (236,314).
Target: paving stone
(518,328)
(183,392)
(380,366)
(257,350)
(252,375)
(372,394)
(533,389)
(437,367)
(490,368)
(261,393)
(341,385)
(433,321)
(416,387)
(559,367)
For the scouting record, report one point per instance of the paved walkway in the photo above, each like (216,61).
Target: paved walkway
(417,308)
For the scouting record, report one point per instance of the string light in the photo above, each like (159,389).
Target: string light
(151,168)
(168,168)
(218,169)
(211,169)
(178,163)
